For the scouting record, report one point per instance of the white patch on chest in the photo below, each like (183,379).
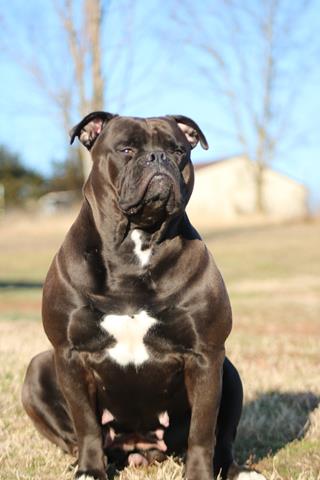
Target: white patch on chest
(143,255)
(128,332)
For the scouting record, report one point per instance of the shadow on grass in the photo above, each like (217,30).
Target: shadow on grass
(19,284)
(271,421)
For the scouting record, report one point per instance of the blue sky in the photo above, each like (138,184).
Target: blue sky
(148,73)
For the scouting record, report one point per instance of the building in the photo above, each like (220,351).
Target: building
(53,202)
(225,193)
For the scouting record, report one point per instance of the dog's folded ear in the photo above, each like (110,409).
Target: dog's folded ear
(90,128)
(191,130)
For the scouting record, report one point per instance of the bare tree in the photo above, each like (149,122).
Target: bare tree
(66,64)
(84,43)
(255,57)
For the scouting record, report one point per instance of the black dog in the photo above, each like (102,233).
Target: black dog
(137,313)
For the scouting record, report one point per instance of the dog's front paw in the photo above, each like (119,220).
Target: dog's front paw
(85,477)
(199,465)
(90,475)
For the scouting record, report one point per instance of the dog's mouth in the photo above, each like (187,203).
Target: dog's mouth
(155,189)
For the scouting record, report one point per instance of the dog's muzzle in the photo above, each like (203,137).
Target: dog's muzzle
(154,180)
(158,156)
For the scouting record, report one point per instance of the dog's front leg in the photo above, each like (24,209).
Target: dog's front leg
(73,381)
(204,383)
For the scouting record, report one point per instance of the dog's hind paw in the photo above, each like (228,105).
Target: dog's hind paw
(249,476)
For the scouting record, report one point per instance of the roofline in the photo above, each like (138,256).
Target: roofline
(217,161)
(200,165)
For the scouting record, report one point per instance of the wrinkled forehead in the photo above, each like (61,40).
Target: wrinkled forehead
(137,131)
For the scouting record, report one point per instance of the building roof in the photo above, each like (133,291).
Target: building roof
(216,161)
(211,163)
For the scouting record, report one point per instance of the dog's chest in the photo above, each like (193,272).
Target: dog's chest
(129,332)
(142,253)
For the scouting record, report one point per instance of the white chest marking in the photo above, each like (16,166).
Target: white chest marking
(143,255)
(128,332)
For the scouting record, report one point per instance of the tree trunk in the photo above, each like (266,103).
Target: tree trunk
(93,21)
(259,184)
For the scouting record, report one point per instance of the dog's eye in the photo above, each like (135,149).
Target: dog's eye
(126,150)
(180,151)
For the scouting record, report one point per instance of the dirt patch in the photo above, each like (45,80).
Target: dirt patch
(26,306)
(291,285)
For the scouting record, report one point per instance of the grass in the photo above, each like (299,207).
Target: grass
(273,277)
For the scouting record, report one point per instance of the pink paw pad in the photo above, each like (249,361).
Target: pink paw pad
(137,460)
(107,417)
(159,433)
(164,419)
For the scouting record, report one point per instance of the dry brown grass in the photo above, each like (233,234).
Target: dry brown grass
(273,277)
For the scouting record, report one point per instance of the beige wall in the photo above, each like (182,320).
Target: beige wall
(224,193)
(284,197)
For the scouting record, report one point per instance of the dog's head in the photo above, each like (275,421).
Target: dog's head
(144,163)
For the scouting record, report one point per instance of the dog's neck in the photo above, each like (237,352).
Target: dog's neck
(116,230)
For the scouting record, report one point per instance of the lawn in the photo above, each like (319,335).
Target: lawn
(273,277)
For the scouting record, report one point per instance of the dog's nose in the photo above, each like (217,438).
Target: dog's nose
(158,156)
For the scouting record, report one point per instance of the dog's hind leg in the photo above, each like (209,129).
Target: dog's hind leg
(228,419)
(45,404)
